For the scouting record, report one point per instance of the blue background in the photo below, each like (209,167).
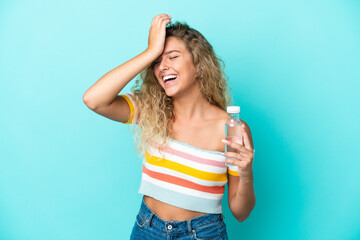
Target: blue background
(67,173)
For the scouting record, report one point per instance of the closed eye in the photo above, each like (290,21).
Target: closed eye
(157,62)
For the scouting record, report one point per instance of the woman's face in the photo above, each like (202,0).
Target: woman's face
(174,68)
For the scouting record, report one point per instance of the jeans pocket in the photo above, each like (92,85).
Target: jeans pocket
(208,232)
(141,220)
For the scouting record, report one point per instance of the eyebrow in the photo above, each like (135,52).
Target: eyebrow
(168,52)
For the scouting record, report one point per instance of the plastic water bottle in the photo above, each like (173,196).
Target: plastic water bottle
(233,129)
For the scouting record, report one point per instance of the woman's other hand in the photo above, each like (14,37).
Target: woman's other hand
(157,33)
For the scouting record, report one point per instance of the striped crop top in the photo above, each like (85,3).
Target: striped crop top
(183,175)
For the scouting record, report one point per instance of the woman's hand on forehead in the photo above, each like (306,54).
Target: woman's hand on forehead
(157,34)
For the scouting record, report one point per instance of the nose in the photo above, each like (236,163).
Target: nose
(163,66)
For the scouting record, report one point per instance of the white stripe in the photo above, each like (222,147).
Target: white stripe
(233,168)
(182,175)
(130,96)
(180,189)
(186,162)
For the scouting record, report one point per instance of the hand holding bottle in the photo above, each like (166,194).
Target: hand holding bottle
(243,158)
(157,33)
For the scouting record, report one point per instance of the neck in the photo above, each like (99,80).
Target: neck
(191,106)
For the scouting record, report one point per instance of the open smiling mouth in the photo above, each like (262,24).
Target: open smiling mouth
(169,79)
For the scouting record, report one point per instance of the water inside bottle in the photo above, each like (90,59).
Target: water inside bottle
(233,133)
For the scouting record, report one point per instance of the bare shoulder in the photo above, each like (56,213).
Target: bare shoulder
(221,116)
(218,116)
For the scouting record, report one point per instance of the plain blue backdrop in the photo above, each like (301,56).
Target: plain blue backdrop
(67,173)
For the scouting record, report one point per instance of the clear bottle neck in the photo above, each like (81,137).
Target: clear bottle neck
(234,117)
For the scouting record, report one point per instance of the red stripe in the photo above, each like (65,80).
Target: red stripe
(184,183)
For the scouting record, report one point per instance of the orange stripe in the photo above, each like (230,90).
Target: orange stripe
(183,182)
(165,163)
(234,173)
(131,106)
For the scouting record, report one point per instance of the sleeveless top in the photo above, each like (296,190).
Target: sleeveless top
(183,175)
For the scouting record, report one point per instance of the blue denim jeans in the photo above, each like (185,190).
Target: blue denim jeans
(149,226)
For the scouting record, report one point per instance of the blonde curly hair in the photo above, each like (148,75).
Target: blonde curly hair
(151,100)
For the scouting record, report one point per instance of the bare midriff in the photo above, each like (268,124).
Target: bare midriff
(168,212)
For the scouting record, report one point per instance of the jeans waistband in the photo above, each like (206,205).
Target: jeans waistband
(178,226)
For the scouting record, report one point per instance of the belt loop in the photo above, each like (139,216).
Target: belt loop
(150,219)
(189,225)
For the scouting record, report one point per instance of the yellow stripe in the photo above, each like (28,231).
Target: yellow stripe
(234,173)
(131,108)
(161,162)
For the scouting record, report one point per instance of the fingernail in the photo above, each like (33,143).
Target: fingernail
(225,141)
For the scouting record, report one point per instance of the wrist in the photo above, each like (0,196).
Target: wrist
(247,179)
(151,52)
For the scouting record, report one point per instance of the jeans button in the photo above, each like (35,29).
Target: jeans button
(169,227)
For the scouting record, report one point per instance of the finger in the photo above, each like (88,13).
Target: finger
(160,18)
(159,24)
(232,161)
(237,146)
(155,19)
(165,22)
(163,15)
(246,138)
(238,156)
(240,164)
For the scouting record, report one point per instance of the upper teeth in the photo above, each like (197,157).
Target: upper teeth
(168,77)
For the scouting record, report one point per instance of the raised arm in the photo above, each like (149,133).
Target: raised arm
(103,98)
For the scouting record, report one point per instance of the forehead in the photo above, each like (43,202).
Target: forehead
(173,43)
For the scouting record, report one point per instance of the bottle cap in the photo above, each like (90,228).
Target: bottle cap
(233,109)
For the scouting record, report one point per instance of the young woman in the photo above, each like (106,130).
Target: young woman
(178,111)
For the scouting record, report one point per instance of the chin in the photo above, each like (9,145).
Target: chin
(170,94)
